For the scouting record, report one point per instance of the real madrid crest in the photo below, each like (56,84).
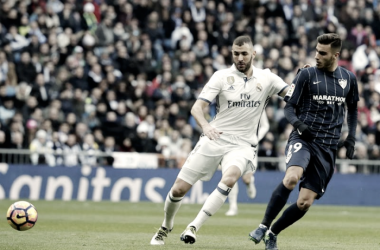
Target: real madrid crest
(342,83)
(259,87)
(230,80)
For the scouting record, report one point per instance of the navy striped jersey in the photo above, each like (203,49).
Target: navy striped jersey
(320,97)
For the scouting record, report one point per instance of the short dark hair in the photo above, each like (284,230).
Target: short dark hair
(331,39)
(240,40)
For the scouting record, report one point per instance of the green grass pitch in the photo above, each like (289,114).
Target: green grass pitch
(124,225)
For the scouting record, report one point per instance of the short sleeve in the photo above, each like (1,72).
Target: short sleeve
(278,85)
(211,89)
(297,87)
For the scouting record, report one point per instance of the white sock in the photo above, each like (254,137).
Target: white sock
(233,195)
(171,207)
(213,203)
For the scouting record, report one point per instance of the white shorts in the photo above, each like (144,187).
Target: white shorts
(207,154)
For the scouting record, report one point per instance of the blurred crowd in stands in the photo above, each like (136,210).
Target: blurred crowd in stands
(121,75)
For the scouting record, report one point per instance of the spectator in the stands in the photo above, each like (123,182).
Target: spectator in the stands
(41,91)
(7,109)
(17,142)
(17,41)
(25,70)
(267,149)
(7,70)
(3,139)
(112,127)
(147,47)
(79,79)
(90,150)
(71,151)
(142,143)
(108,148)
(41,150)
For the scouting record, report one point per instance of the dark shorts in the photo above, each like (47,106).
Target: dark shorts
(317,161)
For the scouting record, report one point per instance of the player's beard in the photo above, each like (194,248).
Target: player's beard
(247,66)
(326,65)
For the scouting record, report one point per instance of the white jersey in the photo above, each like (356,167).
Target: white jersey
(241,101)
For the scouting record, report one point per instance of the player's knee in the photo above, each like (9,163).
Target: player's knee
(178,191)
(180,188)
(229,181)
(290,181)
(304,205)
(230,177)
(292,176)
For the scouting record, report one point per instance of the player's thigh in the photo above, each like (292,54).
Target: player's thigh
(239,156)
(320,170)
(297,153)
(200,167)
(203,161)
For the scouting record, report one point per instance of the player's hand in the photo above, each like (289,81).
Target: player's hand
(303,130)
(306,66)
(211,132)
(349,143)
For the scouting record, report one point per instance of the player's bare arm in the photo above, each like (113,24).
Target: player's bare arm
(198,113)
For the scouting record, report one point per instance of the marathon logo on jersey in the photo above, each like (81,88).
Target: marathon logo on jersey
(343,83)
(244,103)
(328,99)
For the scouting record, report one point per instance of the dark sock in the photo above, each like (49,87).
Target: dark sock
(290,215)
(278,200)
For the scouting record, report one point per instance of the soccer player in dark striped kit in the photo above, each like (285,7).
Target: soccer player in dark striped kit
(317,102)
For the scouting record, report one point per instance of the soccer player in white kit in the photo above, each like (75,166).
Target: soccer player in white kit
(230,139)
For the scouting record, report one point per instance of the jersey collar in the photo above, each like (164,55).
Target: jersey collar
(236,71)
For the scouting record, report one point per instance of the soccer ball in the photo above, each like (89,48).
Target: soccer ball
(22,215)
